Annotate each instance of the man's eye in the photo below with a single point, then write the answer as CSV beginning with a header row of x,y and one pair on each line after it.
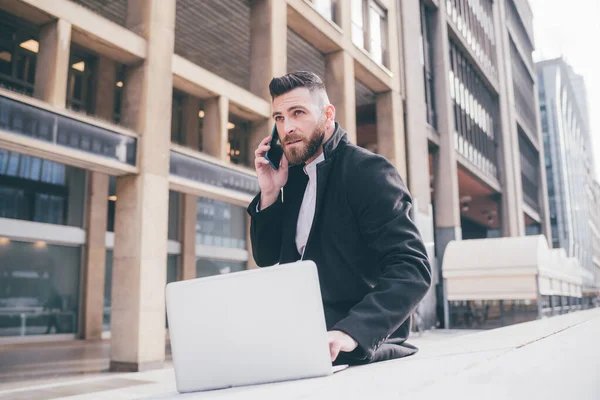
x,y
278,118
298,112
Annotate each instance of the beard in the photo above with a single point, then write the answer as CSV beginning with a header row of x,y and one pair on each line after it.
x,y
298,155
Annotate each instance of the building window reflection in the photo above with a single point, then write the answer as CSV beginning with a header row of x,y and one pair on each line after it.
x,y
38,190
80,82
220,224
18,53
209,267
369,29
39,288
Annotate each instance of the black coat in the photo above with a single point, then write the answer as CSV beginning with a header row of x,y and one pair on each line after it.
x,y
372,264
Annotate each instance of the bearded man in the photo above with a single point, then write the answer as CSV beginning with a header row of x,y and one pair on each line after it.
x,y
347,210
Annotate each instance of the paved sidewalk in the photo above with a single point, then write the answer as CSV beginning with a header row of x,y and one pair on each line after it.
x,y
555,358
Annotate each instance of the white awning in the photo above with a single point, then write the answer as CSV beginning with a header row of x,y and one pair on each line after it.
x,y
508,269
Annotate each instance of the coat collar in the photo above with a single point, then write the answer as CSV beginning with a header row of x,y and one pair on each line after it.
x,y
339,136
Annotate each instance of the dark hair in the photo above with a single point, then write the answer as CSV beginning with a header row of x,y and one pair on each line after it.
x,y
293,80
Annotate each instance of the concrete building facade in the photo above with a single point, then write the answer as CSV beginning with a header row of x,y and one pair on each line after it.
x,y
570,165
127,132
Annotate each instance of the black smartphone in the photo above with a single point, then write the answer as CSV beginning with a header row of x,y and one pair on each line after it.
x,y
276,151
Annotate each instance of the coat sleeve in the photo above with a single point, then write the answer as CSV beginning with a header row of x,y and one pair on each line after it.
x,y
265,231
381,203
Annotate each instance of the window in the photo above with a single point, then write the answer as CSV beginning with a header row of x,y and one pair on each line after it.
x,y
33,189
80,81
376,23
177,118
220,224
18,52
369,29
39,288
358,26
427,65
325,8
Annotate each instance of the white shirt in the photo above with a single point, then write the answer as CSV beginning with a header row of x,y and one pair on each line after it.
x,y
308,206
309,202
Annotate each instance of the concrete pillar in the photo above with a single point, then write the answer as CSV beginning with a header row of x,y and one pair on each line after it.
x,y
140,254
513,222
215,135
95,260
416,108
52,66
390,129
97,210
188,237
191,121
268,44
446,193
340,85
417,145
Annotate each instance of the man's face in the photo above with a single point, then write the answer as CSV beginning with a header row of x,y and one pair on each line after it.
x,y
300,123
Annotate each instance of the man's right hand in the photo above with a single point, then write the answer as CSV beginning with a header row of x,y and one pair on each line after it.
x,y
270,181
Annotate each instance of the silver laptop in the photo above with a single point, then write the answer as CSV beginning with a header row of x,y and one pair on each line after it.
x,y
250,327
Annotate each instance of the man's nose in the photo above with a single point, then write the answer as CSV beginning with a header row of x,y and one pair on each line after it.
x,y
289,126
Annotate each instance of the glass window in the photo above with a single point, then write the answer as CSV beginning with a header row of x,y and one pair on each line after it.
x,y
238,134
177,118
80,81
208,267
358,34
34,189
375,32
220,224
18,53
325,8
39,288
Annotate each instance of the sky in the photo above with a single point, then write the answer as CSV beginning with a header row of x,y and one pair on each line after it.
x,y
571,29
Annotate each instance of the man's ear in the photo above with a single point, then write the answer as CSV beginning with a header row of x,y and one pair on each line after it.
x,y
330,113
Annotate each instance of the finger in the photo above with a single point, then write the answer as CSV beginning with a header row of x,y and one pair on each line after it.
x,y
261,150
265,141
284,162
259,161
334,351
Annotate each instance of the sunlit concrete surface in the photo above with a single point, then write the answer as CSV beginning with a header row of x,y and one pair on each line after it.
x,y
554,358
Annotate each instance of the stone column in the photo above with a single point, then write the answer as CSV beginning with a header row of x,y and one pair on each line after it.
x,y
390,129
340,84
513,223
417,143
95,257
446,193
215,135
268,32
191,122
97,210
416,108
140,254
52,66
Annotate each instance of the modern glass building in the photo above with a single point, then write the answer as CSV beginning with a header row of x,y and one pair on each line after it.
x,y
569,164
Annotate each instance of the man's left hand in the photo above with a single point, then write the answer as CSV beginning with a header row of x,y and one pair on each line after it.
x,y
340,341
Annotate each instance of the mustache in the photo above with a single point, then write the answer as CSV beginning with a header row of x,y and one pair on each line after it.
x,y
293,138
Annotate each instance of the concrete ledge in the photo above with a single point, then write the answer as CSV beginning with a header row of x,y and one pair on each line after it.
x,y
555,358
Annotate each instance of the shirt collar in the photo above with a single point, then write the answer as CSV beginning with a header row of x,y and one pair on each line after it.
x,y
311,169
